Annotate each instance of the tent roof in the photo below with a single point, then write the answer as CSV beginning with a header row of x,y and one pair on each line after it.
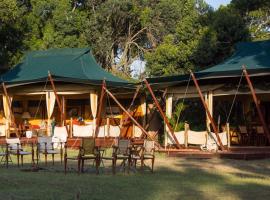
x,y
254,55
68,65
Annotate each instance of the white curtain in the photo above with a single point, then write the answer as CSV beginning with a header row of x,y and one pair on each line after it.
x,y
93,104
50,102
7,111
169,101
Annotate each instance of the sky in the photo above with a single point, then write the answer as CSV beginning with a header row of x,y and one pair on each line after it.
x,y
216,3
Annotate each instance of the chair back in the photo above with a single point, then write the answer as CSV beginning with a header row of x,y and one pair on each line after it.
x,y
259,130
44,143
243,129
123,146
12,143
137,132
149,146
88,146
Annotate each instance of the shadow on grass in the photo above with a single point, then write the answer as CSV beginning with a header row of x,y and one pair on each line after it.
x,y
184,180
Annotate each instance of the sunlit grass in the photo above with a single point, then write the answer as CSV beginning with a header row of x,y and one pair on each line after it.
x,y
174,178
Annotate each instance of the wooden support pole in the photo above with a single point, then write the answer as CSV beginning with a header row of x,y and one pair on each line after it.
x,y
257,104
207,111
63,118
98,121
10,108
162,113
228,134
129,115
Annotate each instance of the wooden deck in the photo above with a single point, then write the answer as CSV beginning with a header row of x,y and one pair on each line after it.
x,y
237,152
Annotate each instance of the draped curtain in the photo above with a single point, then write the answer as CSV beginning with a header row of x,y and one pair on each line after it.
x,y
94,105
144,109
50,102
7,111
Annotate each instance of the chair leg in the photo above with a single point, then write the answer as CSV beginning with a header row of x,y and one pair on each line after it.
x,y
65,163
46,158
153,161
80,166
142,163
53,158
113,165
22,160
61,155
97,165
18,160
129,162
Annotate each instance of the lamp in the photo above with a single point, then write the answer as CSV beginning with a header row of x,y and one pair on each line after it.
x,y
26,115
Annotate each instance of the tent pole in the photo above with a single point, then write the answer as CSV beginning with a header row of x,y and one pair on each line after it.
x,y
63,118
10,110
207,110
162,113
98,119
129,115
256,101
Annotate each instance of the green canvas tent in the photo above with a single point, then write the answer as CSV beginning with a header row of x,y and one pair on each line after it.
x,y
254,55
76,65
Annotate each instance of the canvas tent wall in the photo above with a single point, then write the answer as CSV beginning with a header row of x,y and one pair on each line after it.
x,y
222,79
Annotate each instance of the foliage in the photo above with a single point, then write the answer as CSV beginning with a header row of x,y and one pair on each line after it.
x,y
177,115
172,36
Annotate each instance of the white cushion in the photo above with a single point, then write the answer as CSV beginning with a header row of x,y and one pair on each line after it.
x,y
83,131
114,131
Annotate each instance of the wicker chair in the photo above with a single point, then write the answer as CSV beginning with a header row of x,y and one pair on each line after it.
x,y
121,151
87,151
147,153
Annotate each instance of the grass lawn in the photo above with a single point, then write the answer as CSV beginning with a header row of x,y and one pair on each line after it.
x,y
174,178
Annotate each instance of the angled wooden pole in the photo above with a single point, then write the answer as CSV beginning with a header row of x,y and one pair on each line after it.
x,y
207,110
10,108
100,105
129,115
257,104
60,107
162,113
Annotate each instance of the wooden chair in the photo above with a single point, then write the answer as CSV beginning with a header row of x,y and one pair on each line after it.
x,y
260,136
15,148
87,151
245,136
46,146
147,153
4,155
121,151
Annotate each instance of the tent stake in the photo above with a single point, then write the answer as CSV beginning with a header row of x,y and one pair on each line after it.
x,y
100,108
162,113
256,101
129,115
10,110
207,110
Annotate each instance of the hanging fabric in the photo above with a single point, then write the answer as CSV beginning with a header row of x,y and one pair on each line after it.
x,y
7,113
94,106
143,108
50,102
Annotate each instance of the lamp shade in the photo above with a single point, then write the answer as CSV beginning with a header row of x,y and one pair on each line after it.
x,y
26,115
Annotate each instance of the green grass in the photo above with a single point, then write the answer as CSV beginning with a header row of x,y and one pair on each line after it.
x,y
174,178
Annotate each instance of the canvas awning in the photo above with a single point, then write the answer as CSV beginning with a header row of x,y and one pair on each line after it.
x,y
254,55
76,65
